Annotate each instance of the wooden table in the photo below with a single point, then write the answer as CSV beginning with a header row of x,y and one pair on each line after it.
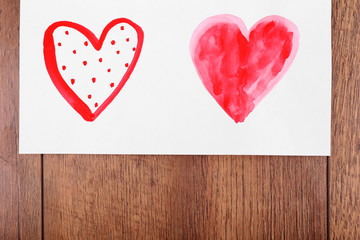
x,y
185,197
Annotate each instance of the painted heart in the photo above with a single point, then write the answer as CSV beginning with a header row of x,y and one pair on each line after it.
x,y
239,67
87,71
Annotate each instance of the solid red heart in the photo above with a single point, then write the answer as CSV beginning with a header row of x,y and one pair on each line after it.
x,y
87,71
239,67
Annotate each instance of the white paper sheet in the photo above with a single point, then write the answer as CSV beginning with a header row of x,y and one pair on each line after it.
x,y
164,107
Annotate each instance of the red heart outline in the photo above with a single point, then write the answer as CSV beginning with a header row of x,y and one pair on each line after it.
x,y
51,64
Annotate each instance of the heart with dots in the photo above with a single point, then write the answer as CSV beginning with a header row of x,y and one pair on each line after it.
x,y
89,72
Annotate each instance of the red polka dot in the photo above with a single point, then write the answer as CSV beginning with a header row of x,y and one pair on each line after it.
x,y
85,63
134,49
89,96
59,44
93,80
109,70
127,39
86,43
96,105
113,42
118,52
72,81
63,67
67,32
122,27
100,59
112,85
126,65
74,52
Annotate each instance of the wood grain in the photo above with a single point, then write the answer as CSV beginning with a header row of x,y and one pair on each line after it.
x,y
20,177
344,165
184,197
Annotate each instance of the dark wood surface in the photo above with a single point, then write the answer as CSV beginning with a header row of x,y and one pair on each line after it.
x,y
190,197
344,164
185,197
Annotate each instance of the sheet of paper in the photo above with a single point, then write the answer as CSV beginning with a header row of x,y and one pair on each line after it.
x,y
175,77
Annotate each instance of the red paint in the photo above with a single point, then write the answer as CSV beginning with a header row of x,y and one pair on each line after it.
x,y
239,67
85,63
64,68
118,52
72,81
127,39
113,42
93,80
86,43
96,105
134,49
89,96
126,65
100,59
122,28
59,44
74,52
112,85
56,77
109,70
67,32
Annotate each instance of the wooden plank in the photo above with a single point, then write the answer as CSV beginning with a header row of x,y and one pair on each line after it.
x,y
184,197
20,177
344,165
8,201
30,208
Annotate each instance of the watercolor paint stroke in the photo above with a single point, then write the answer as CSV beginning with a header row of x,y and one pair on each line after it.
x,y
90,72
239,67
